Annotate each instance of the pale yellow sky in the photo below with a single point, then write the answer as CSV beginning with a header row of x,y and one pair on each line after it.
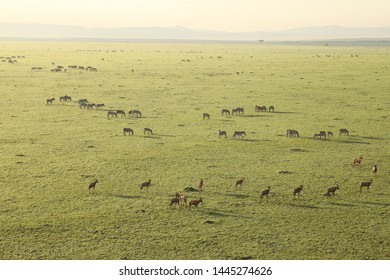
x,y
221,15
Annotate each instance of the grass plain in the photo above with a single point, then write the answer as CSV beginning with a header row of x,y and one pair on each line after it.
x,y
50,153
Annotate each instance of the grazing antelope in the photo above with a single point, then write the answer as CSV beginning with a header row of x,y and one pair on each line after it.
x,y
92,185
206,116
50,101
121,112
332,191
128,131
111,114
145,185
241,134
200,184
240,182
358,161
374,169
182,197
148,130
343,131
222,133
366,185
265,193
175,200
225,112
135,113
298,191
195,202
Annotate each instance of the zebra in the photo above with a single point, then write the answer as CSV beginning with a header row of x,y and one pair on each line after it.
x,y
239,133
292,133
112,114
330,134
121,112
91,105
343,131
271,109
84,100
222,133
206,116
148,130
83,105
65,98
225,112
99,106
50,101
128,131
135,112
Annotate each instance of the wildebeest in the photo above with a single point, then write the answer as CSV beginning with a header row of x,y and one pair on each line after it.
x,y
225,112
343,131
298,191
111,114
92,185
50,101
332,191
128,131
222,133
240,182
358,160
121,112
365,185
148,130
206,116
65,98
292,133
265,193
145,185
271,109
135,113
195,202
240,134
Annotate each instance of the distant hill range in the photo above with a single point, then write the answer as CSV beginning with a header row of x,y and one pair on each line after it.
x,y
49,31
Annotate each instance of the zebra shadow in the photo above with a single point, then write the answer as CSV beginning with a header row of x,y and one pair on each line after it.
x,y
126,196
304,206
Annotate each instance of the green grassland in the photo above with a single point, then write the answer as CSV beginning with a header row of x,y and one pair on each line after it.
x,y
50,153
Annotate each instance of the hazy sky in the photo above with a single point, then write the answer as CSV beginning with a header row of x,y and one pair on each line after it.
x,y
221,15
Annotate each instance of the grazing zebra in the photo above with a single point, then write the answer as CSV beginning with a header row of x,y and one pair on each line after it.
x,y
91,105
241,134
111,114
84,100
135,113
206,116
128,131
222,133
292,133
330,134
121,112
257,108
343,131
225,112
271,109
234,111
99,106
83,105
240,110
148,130
50,101
65,98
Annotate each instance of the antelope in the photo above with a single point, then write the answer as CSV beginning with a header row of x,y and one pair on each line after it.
x,y
365,184
182,197
332,190
145,185
92,185
175,200
50,101
83,105
265,193
200,184
65,98
358,161
222,133
128,131
374,169
195,202
99,106
206,116
298,191
330,134
240,182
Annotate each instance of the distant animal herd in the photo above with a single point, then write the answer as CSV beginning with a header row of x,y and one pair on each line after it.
x,y
180,199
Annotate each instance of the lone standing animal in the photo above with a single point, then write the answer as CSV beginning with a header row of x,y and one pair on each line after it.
x,y
265,193
200,185
240,182
298,191
365,185
145,185
332,191
374,169
358,160
92,185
